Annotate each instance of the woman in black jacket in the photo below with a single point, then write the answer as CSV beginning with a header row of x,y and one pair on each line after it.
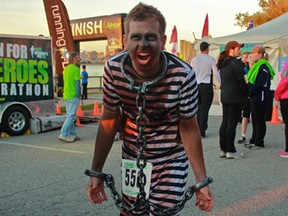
x,y
234,91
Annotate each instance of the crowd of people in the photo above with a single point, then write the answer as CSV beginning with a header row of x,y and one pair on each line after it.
x,y
160,105
245,83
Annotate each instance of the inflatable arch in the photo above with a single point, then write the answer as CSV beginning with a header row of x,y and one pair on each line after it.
x,y
99,28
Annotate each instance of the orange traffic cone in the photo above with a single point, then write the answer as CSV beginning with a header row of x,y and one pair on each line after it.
x,y
275,119
96,108
102,109
58,110
78,123
79,111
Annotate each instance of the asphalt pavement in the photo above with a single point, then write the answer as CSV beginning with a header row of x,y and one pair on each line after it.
x,y
43,176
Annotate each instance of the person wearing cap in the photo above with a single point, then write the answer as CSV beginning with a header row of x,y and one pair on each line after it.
x,y
234,92
259,81
281,94
205,67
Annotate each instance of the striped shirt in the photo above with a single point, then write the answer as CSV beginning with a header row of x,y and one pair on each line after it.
x,y
173,96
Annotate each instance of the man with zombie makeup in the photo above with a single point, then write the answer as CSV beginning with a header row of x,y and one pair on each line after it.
x,y
157,95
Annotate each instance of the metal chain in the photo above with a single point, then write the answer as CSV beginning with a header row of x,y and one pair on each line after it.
x,y
141,162
110,183
141,143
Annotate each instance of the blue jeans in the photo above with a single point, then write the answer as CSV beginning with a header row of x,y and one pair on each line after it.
x,y
69,128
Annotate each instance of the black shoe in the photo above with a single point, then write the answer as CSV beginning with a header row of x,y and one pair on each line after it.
x,y
242,140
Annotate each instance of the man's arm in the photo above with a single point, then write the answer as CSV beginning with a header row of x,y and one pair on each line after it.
x,y
215,71
191,138
105,137
78,89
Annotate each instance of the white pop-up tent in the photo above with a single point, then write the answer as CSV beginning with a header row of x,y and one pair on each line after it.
x,y
273,35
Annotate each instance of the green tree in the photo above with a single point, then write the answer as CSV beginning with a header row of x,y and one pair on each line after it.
x,y
270,9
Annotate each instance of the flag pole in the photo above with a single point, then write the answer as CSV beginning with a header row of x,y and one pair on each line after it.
x,y
194,35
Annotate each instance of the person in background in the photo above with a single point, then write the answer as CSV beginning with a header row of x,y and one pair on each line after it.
x,y
233,94
246,106
71,96
157,95
243,59
281,94
259,81
205,67
84,77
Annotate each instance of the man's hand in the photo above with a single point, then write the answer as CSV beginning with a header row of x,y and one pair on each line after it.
x,y
204,199
95,191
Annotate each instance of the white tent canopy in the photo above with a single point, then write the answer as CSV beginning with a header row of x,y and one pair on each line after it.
x,y
273,35
266,33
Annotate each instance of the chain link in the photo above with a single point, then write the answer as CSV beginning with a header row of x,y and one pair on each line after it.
x,y
141,143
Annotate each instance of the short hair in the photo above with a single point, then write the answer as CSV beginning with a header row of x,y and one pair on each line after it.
x,y
204,46
261,50
143,12
72,56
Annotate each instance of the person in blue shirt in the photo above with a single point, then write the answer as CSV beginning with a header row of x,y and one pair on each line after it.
x,y
84,77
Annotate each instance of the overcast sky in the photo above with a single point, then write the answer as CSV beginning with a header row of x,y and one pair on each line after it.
x,y
28,16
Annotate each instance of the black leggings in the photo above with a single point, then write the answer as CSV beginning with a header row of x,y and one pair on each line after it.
x,y
284,113
230,119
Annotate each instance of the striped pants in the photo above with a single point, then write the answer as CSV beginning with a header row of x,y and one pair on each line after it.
x,y
167,186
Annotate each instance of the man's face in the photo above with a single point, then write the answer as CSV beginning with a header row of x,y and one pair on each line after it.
x,y
77,60
144,44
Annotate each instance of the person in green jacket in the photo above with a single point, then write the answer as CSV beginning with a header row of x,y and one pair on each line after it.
x,y
71,96
259,82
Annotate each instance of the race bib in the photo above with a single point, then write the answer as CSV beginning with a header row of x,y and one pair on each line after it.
x,y
129,178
